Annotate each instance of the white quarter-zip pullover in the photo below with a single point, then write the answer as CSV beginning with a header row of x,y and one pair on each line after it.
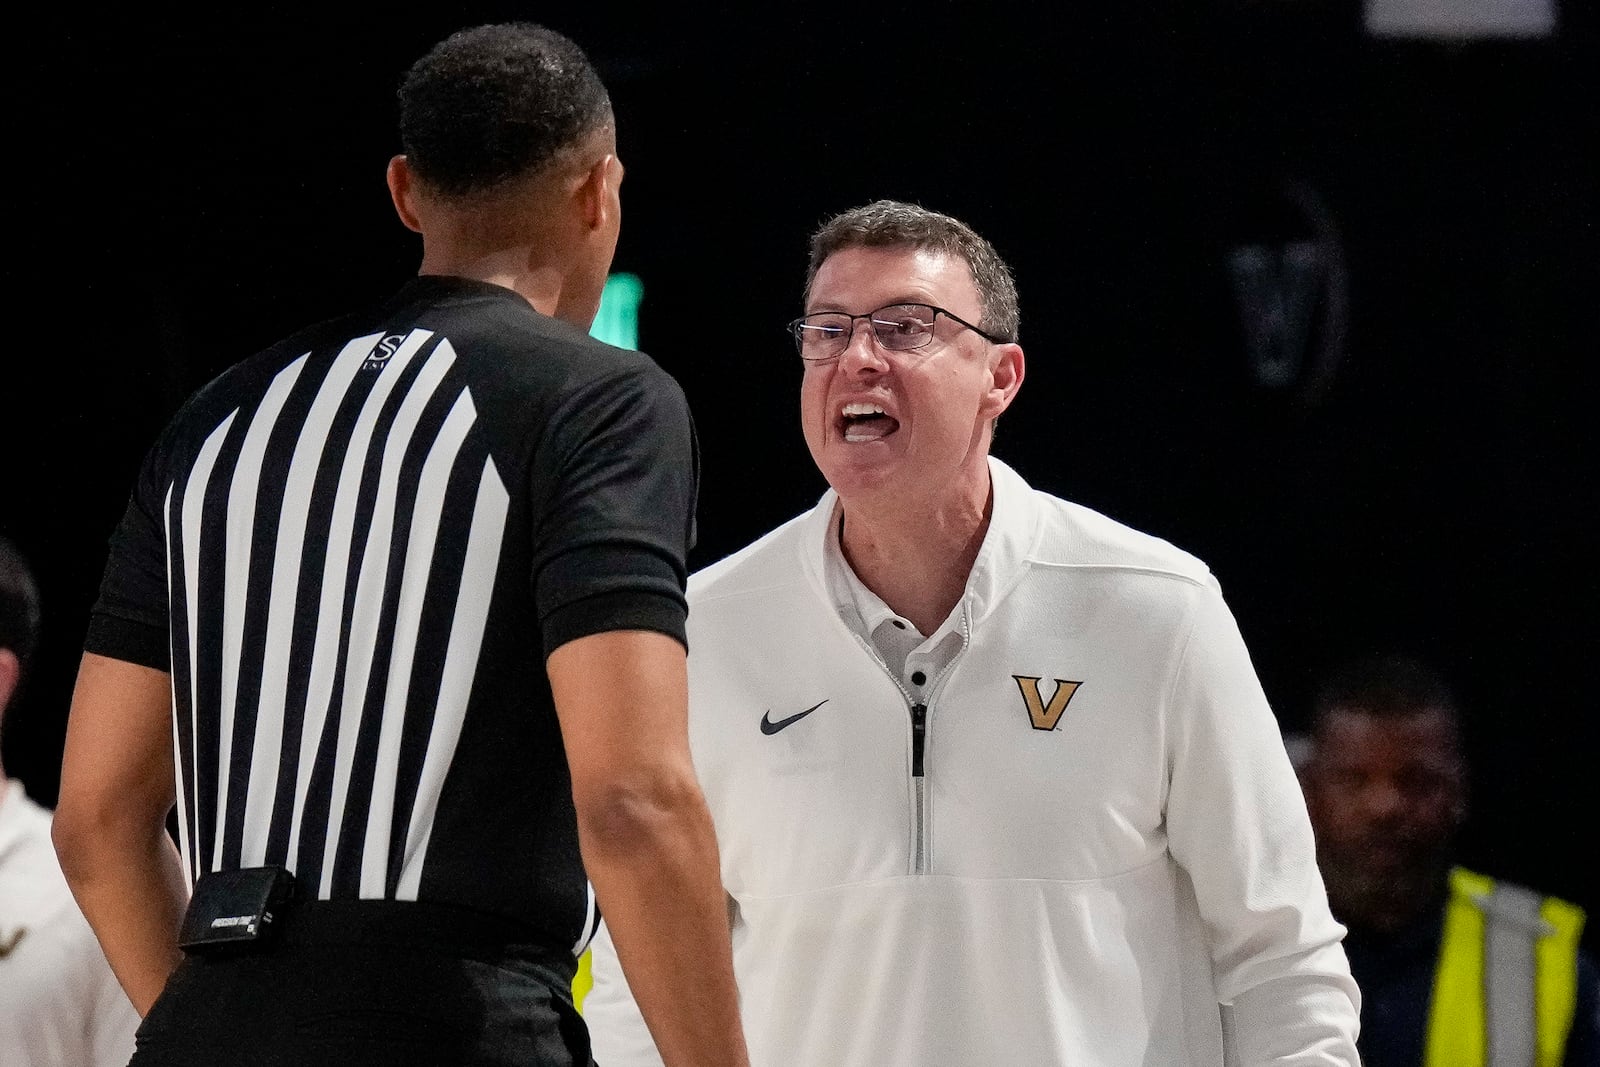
x,y
1083,844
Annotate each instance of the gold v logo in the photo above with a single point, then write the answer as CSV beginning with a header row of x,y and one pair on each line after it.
x,y
1045,716
7,944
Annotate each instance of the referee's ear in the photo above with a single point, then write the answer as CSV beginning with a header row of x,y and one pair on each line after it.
x,y
402,190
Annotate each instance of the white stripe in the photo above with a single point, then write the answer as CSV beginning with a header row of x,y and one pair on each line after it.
x,y
587,933
301,479
366,613
241,533
431,488
1511,935
177,747
460,664
325,654
194,499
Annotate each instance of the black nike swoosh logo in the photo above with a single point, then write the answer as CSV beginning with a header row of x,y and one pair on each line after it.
x,y
769,727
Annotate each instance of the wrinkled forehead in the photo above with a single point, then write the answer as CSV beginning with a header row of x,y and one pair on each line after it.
x,y
864,277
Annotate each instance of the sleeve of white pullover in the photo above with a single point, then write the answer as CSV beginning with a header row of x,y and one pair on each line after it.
x,y
1236,821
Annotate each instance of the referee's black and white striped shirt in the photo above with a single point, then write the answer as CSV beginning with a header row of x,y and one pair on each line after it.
x,y
353,553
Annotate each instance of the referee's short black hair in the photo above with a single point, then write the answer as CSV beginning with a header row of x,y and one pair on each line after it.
x,y
497,102
19,604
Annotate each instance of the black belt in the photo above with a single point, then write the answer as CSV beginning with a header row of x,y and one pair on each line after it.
x,y
254,909
451,929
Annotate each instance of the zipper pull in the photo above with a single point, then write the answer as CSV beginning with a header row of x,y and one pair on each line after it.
x,y
919,733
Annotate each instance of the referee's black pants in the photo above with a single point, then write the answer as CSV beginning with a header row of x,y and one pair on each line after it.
x,y
369,984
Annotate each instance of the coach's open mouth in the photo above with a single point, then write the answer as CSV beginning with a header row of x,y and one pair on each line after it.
x,y
866,422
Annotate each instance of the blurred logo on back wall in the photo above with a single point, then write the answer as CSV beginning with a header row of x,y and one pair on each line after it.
x,y
1291,287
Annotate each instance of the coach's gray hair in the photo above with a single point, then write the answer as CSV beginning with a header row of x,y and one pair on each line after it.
x,y
894,224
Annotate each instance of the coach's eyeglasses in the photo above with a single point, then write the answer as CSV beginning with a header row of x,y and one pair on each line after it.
x,y
896,327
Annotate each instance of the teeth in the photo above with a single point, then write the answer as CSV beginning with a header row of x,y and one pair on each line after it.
x,y
857,408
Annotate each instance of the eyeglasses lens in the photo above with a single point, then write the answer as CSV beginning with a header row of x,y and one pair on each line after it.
x,y
898,327
903,326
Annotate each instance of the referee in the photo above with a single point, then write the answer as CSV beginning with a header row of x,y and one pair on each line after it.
x,y
392,632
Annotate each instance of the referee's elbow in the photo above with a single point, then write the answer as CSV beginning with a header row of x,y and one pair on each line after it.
x,y
86,835
631,812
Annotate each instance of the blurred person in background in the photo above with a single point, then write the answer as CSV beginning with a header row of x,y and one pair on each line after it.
x,y
60,1004
1456,967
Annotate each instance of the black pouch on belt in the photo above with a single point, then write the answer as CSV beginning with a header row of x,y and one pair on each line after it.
x,y
234,909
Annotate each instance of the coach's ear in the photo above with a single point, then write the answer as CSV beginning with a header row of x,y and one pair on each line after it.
x,y
10,675
403,191
1006,370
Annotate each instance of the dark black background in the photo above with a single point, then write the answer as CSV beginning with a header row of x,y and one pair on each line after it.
x,y
185,191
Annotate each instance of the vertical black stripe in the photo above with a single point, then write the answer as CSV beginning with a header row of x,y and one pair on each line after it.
x,y
212,560
427,670
304,633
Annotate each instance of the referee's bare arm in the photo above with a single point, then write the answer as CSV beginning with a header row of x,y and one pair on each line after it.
x,y
117,787
647,838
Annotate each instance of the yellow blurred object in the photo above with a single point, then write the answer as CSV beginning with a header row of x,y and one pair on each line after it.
x,y
583,981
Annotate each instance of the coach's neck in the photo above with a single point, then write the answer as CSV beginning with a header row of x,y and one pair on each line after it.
x,y
916,555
